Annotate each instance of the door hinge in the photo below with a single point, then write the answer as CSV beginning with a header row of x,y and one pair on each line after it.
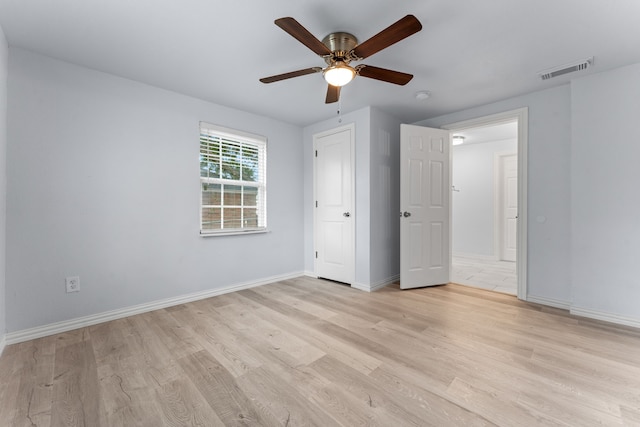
x,y
316,254
316,203
316,153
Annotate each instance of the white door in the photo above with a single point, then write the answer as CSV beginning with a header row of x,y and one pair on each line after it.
x,y
509,206
425,255
334,213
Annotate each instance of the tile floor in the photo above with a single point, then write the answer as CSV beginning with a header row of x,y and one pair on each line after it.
x,y
481,272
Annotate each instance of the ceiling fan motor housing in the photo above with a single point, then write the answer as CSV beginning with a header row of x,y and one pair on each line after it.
x,y
340,44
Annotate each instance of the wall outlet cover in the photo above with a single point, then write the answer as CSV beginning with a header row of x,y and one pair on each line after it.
x,y
73,284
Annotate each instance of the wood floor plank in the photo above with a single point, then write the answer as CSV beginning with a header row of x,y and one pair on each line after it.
x,y
222,392
373,395
312,352
359,360
433,408
11,364
75,386
183,405
35,393
481,400
220,340
630,416
287,404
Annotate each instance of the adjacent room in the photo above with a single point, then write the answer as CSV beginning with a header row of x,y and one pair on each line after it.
x,y
319,213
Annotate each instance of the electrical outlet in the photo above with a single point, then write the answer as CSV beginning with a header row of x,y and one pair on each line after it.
x,y
73,284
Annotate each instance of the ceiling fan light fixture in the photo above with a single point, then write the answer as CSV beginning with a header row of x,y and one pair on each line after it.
x,y
458,140
339,74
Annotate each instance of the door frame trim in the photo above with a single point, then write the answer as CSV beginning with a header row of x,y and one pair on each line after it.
x,y
521,115
351,127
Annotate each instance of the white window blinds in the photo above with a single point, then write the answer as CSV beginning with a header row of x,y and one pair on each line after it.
x,y
232,181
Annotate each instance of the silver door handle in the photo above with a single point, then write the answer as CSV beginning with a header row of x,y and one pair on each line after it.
x,y
406,214
346,214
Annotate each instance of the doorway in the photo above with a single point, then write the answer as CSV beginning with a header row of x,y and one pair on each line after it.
x,y
484,207
509,226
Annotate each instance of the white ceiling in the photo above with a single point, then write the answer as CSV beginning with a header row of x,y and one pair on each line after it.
x,y
468,53
491,133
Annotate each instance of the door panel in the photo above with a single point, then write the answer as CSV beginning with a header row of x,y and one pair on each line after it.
x,y
334,237
425,255
436,243
509,174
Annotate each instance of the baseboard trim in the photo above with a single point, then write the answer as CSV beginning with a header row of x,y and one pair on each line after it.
x,y
607,317
384,283
548,301
361,287
476,256
3,343
94,319
376,286
310,274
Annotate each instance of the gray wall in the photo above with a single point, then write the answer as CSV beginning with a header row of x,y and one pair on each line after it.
x,y
605,203
4,58
549,191
472,206
103,183
385,198
377,230
361,120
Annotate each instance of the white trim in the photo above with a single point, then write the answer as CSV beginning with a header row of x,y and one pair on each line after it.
x,y
376,286
230,133
3,343
361,287
232,233
472,255
94,319
351,127
521,115
310,274
386,282
551,302
607,317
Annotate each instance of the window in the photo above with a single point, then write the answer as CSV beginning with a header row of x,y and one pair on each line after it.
x,y
232,181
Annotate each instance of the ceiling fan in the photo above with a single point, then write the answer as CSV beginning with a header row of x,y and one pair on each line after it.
x,y
340,48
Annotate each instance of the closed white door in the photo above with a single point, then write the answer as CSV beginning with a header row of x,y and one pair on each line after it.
x,y
425,255
334,213
509,206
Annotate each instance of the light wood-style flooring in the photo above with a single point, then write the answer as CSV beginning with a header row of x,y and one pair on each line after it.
x,y
308,352
485,273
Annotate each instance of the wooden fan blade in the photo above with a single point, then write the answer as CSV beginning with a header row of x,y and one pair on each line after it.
x,y
292,74
333,94
394,33
385,75
297,31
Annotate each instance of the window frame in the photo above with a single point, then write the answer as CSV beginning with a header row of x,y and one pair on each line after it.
x,y
227,140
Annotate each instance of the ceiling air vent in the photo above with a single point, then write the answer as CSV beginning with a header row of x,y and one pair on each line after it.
x,y
565,69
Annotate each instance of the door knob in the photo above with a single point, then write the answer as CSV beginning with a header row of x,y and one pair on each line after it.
x,y
406,214
346,214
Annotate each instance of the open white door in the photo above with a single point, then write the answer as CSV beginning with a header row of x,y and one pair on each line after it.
x,y
334,213
425,255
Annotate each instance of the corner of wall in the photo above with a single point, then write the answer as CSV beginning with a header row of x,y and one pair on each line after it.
x,y
4,67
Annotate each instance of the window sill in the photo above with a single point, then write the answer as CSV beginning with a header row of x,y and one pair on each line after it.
x,y
233,233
